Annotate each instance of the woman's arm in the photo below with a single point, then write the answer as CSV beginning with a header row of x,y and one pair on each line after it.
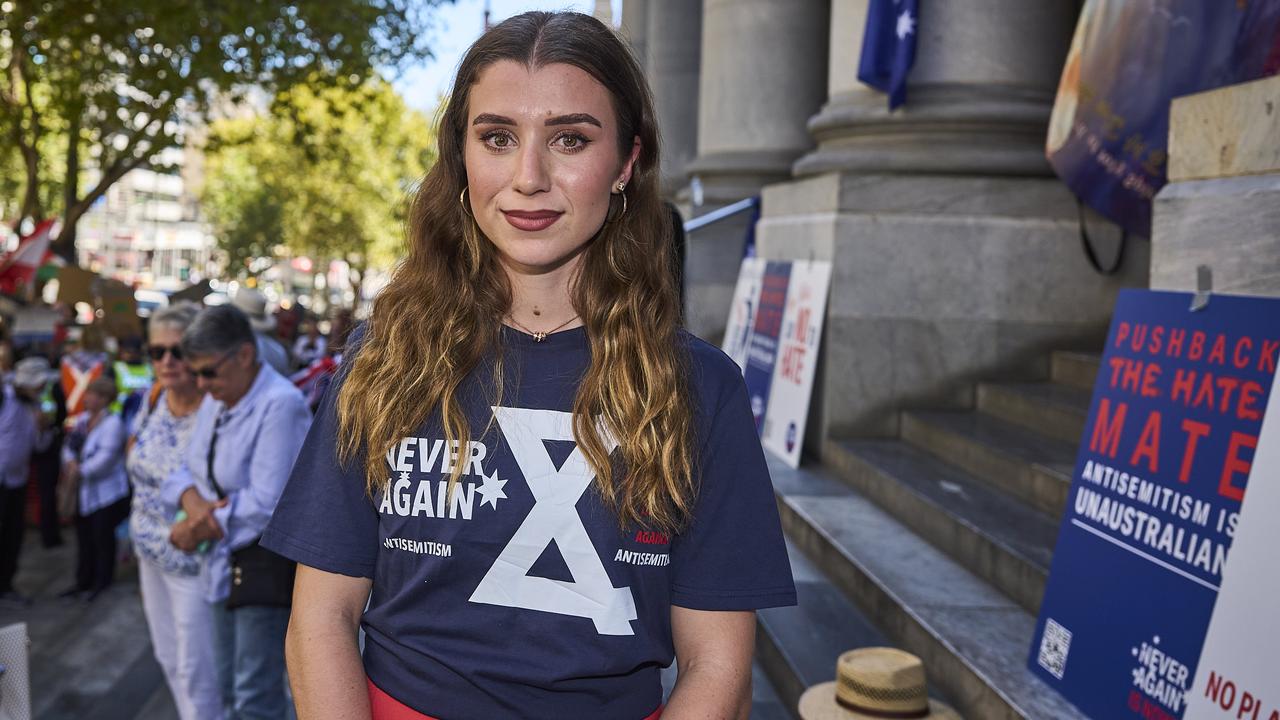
x,y
713,650
280,436
105,452
322,649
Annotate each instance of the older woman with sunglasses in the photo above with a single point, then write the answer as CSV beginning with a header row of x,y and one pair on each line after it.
x,y
180,621
228,483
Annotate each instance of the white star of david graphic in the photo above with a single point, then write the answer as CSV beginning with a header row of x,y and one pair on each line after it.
x,y
554,517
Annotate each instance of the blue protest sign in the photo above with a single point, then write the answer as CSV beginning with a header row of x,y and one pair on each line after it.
x,y
762,349
1155,498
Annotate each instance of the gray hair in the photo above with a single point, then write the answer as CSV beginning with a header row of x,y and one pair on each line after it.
x,y
217,330
175,317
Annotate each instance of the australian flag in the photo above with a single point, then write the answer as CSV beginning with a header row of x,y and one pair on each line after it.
x,y
889,47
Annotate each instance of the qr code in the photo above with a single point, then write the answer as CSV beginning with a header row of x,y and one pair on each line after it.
x,y
1054,646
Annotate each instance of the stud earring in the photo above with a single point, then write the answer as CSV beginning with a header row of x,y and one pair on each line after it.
x,y
621,186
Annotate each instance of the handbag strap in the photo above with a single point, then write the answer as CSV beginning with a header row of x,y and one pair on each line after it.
x,y
213,445
153,399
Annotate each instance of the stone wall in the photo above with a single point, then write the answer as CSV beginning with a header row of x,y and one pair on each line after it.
x,y
1222,205
938,281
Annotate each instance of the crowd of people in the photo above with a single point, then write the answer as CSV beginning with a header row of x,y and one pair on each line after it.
x,y
182,442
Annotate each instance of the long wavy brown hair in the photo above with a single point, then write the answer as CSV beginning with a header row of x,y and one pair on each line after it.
x,y
440,316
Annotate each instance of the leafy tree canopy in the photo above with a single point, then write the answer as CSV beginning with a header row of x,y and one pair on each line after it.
x,y
326,174
117,81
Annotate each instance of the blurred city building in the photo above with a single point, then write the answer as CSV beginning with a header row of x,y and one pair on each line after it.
x,y
147,230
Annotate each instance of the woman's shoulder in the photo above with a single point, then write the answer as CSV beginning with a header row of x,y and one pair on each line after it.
x,y
278,388
109,430
713,375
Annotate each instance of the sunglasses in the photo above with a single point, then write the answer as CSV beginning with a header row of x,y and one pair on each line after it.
x,y
157,352
211,372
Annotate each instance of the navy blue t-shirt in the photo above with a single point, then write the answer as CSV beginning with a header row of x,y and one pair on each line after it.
x,y
521,596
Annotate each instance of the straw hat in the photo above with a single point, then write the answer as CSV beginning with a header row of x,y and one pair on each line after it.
x,y
873,683
254,304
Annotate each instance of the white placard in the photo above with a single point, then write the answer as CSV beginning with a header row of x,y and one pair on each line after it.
x,y
746,300
1238,675
797,359
15,686
773,334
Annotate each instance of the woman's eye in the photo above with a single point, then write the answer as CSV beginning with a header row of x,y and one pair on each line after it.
x,y
571,142
497,140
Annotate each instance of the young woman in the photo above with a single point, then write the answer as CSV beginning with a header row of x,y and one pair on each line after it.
x,y
540,486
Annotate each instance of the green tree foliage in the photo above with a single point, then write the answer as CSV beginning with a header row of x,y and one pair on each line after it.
x,y
115,82
326,174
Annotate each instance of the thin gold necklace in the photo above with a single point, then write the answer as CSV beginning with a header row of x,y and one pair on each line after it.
x,y
540,336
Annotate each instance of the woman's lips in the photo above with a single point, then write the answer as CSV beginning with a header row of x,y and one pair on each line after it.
x,y
531,221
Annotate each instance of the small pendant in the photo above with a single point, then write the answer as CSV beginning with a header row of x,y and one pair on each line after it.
x,y
539,336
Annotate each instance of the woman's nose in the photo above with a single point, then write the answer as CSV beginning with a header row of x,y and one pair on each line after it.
x,y
531,173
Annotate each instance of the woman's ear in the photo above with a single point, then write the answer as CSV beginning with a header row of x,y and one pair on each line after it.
x,y
629,166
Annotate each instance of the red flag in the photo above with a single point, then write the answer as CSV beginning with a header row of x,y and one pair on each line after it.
x,y
18,268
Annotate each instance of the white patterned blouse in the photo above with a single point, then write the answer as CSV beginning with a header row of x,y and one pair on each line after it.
x,y
161,439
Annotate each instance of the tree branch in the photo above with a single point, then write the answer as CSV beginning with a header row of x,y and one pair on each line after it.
x,y
138,134
130,159
31,205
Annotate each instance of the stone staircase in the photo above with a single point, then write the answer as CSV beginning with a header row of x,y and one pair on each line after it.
x,y
938,542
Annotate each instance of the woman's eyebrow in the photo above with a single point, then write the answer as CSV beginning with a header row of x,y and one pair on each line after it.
x,y
570,119
491,119
573,119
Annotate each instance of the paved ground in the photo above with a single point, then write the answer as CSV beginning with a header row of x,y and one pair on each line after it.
x,y
89,661
93,661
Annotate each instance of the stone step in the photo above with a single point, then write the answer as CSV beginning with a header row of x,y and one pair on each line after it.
x,y
1077,369
997,537
1032,467
797,647
765,703
974,640
1056,410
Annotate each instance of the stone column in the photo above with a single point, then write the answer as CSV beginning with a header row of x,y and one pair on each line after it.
x,y
956,255
673,47
1221,207
635,27
603,12
978,97
764,66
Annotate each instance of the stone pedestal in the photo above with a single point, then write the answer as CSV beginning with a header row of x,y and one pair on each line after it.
x,y
1221,207
956,255
936,282
763,74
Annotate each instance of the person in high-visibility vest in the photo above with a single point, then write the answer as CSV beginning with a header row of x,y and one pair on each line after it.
x,y
133,378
